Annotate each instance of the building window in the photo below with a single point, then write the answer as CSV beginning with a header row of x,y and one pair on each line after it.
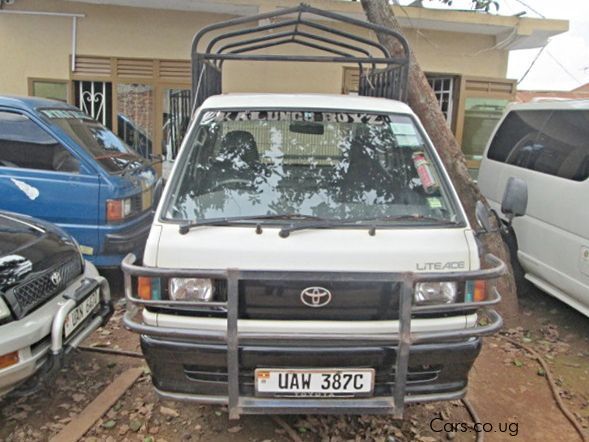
x,y
351,81
443,88
135,122
53,89
480,106
95,98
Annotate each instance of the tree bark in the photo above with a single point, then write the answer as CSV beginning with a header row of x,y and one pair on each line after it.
x,y
425,105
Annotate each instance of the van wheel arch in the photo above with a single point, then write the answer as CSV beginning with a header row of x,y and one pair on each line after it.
x,y
509,237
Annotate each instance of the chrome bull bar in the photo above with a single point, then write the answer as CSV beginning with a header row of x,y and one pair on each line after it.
x,y
58,324
232,337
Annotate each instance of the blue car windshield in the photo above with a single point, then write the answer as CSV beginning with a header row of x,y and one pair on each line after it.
x,y
107,149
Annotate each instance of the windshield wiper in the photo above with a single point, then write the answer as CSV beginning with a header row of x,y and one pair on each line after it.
x,y
416,217
327,223
126,168
139,164
322,223
225,221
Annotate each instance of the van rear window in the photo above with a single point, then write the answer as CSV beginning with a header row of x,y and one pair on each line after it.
x,y
554,142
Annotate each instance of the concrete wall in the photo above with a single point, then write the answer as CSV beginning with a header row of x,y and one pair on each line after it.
x,y
36,46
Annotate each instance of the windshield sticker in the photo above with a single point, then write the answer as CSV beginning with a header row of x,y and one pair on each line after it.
x,y
409,140
403,129
297,116
434,203
61,113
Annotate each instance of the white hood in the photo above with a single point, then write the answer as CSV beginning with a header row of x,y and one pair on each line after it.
x,y
390,250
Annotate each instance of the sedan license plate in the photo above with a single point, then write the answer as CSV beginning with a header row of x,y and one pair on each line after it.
x,y
81,312
323,382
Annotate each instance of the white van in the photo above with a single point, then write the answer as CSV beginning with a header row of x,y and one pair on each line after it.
x,y
310,254
546,144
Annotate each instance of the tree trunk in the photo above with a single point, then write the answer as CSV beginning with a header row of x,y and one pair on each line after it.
x,y
424,103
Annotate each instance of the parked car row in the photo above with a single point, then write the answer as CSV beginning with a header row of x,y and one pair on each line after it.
x,y
58,164
84,200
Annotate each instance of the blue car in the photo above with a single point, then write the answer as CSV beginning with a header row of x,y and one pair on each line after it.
x,y
59,164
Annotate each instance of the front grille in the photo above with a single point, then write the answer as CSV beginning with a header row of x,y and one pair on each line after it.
x,y
415,375
137,203
352,301
36,291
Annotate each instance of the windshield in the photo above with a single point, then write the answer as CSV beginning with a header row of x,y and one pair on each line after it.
x,y
335,166
106,148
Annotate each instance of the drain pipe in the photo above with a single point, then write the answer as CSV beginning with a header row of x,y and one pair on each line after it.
x,y
74,18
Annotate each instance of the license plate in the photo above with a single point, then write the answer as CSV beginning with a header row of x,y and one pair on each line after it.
x,y
81,312
323,382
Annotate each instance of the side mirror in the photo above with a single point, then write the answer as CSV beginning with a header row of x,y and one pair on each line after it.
x,y
515,198
482,215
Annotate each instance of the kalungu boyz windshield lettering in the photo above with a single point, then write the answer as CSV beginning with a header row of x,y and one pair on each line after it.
x,y
298,116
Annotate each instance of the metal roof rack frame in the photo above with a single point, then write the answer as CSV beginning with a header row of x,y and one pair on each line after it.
x,y
240,38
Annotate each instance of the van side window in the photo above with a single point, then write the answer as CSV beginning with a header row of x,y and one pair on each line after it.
x,y
565,142
514,142
554,142
23,144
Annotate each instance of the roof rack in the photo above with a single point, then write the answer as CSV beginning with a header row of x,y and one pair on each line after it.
x,y
383,75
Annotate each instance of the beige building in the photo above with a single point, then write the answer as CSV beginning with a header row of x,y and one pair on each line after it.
x,y
126,62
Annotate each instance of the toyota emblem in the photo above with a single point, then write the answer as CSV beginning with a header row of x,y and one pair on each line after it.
x,y
55,278
315,297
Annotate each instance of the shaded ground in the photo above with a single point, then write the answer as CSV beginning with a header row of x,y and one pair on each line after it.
x,y
507,388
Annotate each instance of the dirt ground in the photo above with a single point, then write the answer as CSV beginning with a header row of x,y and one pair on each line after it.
x,y
508,390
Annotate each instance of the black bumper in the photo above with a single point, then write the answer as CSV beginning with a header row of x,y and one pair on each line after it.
x,y
200,369
130,239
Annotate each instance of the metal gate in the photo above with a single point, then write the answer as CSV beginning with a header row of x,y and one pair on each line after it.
x,y
179,118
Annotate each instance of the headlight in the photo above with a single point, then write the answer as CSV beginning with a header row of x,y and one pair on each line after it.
x,y
191,289
4,310
435,292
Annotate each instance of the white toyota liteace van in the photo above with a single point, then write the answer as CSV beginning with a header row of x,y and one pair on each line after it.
x,y
546,144
310,254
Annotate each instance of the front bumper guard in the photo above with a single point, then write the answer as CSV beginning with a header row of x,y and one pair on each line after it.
x,y
58,348
232,337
